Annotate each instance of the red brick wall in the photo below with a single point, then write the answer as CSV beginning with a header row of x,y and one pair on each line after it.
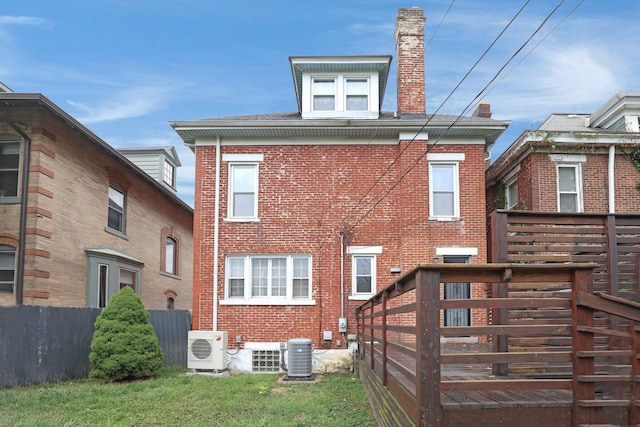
x,y
307,195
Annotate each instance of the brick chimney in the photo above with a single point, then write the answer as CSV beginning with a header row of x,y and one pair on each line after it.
x,y
409,35
482,110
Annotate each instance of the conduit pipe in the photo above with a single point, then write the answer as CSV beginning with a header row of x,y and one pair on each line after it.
x,y
612,179
216,237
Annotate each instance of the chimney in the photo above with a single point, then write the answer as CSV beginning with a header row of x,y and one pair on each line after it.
x,y
483,110
409,35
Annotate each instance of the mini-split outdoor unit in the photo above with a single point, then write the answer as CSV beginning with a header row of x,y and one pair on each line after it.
x,y
299,357
207,350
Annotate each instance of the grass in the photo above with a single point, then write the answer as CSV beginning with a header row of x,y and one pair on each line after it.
x,y
174,398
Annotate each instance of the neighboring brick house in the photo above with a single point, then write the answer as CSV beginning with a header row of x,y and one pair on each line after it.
x,y
78,220
573,163
301,217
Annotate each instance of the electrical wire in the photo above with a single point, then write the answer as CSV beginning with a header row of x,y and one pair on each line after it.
x,y
417,160
397,158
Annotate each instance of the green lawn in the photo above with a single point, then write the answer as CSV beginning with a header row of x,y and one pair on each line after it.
x,y
177,399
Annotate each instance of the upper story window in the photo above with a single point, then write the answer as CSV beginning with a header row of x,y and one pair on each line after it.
x,y
341,95
511,193
9,168
276,279
170,255
243,191
444,185
168,175
117,209
569,188
7,268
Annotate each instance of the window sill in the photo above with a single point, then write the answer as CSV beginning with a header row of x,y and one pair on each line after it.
x,y
9,200
116,233
173,276
445,218
266,301
360,297
242,219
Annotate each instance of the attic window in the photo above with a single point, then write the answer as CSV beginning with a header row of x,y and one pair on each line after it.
x,y
341,95
168,176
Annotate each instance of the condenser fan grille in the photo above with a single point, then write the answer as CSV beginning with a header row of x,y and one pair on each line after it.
x,y
201,349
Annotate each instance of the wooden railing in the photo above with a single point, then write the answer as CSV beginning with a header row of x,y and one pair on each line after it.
x,y
407,366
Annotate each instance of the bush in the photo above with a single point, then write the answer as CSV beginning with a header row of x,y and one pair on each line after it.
x,y
124,345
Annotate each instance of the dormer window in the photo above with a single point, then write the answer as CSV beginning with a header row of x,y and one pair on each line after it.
x,y
168,176
340,87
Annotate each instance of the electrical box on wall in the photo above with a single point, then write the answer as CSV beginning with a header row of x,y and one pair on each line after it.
x,y
342,324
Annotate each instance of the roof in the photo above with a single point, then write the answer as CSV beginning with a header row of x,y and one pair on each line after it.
x,y
30,100
168,150
388,125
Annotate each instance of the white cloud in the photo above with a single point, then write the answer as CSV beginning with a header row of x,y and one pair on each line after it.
x,y
23,20
128,103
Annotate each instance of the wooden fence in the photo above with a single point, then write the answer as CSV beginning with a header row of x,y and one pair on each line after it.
x,y
45,344
413,378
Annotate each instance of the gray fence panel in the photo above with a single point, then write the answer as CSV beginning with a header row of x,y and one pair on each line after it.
x,y
47,344
172,328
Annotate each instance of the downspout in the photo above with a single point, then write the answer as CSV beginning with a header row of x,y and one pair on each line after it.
x,y
26,160
612,195
216,233
342,274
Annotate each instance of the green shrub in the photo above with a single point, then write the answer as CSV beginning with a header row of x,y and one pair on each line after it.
x,y
124,345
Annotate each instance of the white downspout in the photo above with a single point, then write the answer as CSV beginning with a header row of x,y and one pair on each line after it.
x,y
612,195
216,233
341,274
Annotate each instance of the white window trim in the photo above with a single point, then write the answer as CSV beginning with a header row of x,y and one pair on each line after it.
x,y
511,203
340,95
462,251
247,299
456,190
230,217
578,172
363,251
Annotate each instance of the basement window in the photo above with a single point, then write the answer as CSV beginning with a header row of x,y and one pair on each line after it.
x,y
265,361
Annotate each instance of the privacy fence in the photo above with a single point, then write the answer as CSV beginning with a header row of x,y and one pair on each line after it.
x,y
46,344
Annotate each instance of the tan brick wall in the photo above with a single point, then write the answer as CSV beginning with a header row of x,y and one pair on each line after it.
x,y
68,200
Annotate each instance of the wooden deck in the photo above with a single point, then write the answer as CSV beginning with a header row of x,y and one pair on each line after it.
x,y
569,357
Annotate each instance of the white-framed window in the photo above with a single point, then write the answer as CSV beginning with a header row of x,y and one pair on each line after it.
x,y
9,168
168,175
268,279
444,190
363,270
243,191
341,95
7,268
570,188
511,194
170,255
117,208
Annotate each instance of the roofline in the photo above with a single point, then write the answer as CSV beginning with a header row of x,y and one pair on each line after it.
x,y
47,103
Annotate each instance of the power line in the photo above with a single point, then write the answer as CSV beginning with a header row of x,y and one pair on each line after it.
x,y
417,160
397,158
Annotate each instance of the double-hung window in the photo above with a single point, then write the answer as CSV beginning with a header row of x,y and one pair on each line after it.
x,y
569,188
168,175
268,279
117,206
9,168
357,94
170,256
243,193
363,270
511,193
7,268
444,189
324,94
342,95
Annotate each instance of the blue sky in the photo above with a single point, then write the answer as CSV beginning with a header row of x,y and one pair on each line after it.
x,y
125,68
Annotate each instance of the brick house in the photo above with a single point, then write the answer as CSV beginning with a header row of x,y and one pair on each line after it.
x,y
300,217
573,163
79,220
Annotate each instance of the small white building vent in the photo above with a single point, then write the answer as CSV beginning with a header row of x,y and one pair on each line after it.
x,y
207,350
299,358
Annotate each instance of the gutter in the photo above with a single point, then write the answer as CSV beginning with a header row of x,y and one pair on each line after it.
x,y
26,160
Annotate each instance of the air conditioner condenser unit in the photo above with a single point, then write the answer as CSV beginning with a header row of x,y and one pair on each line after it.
x,y
207,350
